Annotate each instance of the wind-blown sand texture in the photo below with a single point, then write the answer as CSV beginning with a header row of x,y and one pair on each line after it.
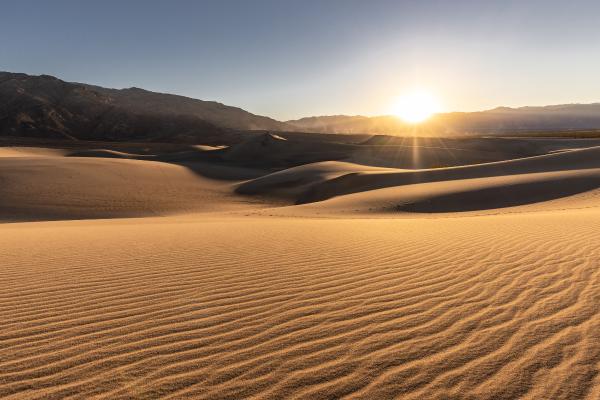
x,y
475,282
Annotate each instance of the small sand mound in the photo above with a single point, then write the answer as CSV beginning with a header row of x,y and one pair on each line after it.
x,y
292,182
382,140
255,147
276,152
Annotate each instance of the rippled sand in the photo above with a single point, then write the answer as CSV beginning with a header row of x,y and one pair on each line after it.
x,y
343,298
480,307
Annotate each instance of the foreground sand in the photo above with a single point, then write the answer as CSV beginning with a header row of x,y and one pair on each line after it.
x,y
480,282
479,307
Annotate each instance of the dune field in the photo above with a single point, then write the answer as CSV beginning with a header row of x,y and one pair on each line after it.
x,y
272,270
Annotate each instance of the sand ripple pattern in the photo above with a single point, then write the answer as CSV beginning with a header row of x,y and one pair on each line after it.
x,y
496,307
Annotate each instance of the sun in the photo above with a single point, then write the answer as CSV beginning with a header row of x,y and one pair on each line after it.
x,y
415,107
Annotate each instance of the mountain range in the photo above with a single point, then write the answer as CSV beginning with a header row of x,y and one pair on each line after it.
x,y
47,107
499,120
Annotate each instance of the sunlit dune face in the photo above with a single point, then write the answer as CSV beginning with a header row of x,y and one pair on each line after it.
x,y
416,107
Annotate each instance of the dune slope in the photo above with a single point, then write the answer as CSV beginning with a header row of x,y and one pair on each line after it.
x,y
542,191
49,188
588,158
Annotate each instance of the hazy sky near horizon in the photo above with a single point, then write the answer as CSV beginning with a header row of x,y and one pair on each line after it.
x,y
294,58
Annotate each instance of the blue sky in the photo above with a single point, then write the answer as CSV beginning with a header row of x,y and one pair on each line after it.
x,y
289,59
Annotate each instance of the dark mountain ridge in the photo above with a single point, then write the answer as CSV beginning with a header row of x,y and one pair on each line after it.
x,y
47,107
229,117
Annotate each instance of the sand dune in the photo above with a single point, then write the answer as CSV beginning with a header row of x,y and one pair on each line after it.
x,y
388,152
483,285
293,182
419,156
496,307
513,193
47,188
363,181
276,151
468,188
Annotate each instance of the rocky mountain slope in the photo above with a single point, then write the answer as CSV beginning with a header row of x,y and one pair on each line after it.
x,y
47,107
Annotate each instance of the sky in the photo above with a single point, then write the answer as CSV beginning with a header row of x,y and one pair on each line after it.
x,y
294,58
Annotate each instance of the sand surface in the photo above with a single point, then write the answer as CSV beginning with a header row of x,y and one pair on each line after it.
x,y
474,282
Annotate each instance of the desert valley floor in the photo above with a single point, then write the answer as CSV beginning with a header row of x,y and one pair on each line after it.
x,y
199,274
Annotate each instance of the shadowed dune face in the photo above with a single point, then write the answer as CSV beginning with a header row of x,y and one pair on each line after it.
x,y
541,191
532,189
360,181
293,182
357,189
